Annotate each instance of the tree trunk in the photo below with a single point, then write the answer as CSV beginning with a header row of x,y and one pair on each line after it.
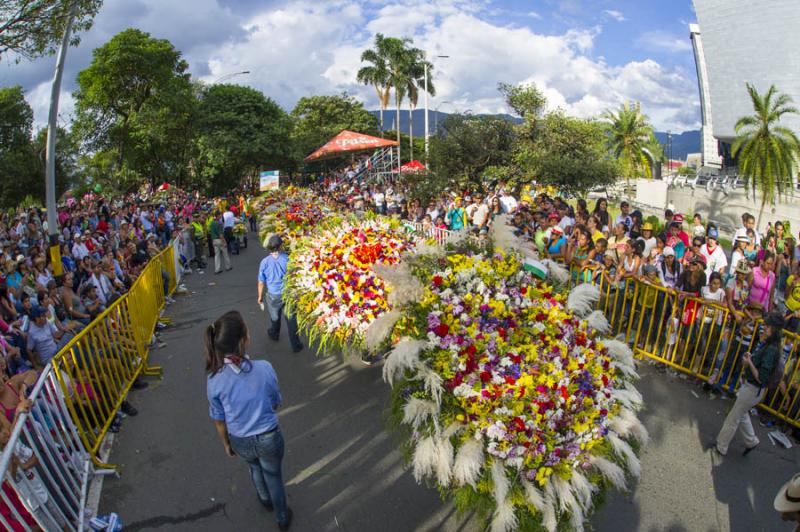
x,y
761,211
397,126
381,119
411,130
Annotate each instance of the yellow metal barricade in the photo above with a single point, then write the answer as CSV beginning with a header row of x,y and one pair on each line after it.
x,y
700,338
97,368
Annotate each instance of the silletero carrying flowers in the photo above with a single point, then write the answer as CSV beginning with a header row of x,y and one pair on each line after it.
x,y
331,286
510,400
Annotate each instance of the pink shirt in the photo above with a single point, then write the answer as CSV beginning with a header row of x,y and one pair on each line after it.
x,y
761,287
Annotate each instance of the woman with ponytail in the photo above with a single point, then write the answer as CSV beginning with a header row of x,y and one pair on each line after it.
x,y
243,396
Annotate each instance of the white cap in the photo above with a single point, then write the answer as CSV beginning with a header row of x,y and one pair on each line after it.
x,y
668,252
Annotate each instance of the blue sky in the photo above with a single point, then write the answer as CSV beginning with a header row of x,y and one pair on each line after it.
x,y
587,55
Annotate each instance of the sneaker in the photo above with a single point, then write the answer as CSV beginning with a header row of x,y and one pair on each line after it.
x,y
285,525
367,359
128,408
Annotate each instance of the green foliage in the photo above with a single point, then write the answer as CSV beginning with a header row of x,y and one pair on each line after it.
x,y
526,100
629,135
467,145
766,150
20,170
135,100
31,28
239,132
687,171
568,153
318,118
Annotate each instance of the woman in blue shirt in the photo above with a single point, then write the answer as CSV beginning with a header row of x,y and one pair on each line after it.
x,y
243,396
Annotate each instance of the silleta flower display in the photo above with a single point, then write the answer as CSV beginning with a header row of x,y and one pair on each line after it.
x,y
331,286
292,213
510,401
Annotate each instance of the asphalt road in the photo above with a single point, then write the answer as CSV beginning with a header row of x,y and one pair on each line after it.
x,y
341,467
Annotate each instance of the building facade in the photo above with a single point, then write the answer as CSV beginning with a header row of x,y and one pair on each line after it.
x,y
738,42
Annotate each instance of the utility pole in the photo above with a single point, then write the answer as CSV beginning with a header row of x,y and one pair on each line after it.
x,y
50,160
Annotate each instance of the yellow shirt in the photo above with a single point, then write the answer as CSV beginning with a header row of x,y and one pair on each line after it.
x,y
793,295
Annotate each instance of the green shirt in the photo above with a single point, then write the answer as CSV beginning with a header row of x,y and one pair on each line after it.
x,y
765,360
215,230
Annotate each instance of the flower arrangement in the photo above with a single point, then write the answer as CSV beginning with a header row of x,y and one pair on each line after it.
x,y
331,285
292,212
509,399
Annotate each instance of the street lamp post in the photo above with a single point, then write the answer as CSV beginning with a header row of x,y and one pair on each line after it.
x,y
50,153
427,132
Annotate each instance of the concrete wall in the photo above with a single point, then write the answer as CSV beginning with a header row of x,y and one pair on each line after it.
x,y
725,211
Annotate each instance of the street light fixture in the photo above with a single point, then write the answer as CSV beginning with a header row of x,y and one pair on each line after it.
x,y
427,132
229,76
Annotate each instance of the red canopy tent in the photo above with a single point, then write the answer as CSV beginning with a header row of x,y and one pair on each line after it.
x,y
347,142
412,167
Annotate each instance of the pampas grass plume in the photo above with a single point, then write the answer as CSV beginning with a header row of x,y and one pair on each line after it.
x,y
469,461
504,519
583,489
610,471
424,458
582,298
444,461
624,451
405,355
380,329
598,321
417,410
556,271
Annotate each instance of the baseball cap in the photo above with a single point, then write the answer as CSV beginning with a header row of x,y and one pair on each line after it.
x,y
557,230
647,226
677,218
552,216
37,312
713,233
669,251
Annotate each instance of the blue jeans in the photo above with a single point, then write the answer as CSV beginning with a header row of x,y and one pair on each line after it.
x,y
263,454
275,308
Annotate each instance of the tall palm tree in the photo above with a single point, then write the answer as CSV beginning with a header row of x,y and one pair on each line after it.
x,y
628,137
377,73
766,150
416,84
398,59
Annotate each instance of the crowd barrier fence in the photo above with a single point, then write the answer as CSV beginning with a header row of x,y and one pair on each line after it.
x,y
703,339
53,451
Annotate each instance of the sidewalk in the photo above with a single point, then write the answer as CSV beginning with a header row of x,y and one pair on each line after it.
x,y
342,469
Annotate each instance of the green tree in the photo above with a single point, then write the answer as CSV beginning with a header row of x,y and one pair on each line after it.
x,y
526,100
465,146
415,83
239,131
318,118
30,28
568,153
398,59
376,73
133,84
767,151
629,135
19,171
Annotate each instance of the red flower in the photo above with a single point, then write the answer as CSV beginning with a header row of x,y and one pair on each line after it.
x,y
501,331
442,329
486,376
519,424
605,380
523,290
510,380
564,393
437,280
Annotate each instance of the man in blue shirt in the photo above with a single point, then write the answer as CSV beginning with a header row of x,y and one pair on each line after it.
x,y
271,273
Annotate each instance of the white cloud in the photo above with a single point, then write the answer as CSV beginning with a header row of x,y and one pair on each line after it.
x,y
39,100
296,48
616,15
534,15
661,41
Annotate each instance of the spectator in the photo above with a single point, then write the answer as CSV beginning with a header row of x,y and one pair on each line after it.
x,y
456,217
624,217
716,260
762,284
698,229
44,339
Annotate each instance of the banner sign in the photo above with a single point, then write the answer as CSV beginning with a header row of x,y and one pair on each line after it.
x,y
269,180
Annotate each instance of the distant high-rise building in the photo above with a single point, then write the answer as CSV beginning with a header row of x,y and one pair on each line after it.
x,y
738,42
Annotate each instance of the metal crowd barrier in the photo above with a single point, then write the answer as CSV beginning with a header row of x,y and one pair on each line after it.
x,y
697,337
97,368
46,469
440,236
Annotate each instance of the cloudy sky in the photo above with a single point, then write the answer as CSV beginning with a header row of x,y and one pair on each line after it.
x,y
587,55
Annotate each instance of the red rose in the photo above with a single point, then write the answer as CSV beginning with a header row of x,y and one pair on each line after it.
x,y
442,329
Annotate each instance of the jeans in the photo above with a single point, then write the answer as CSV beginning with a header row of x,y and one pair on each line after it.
x,y
263,454
275,308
